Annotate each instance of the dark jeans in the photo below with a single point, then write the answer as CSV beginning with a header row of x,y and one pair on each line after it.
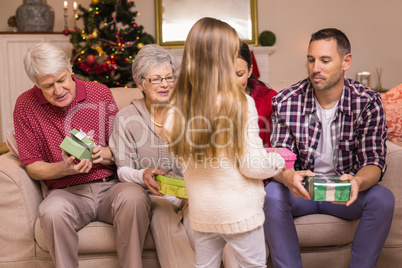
x,y
374,208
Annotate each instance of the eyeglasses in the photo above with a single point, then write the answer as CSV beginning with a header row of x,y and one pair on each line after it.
x,y
157,81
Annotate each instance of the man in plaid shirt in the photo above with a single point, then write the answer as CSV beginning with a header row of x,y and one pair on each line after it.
x,y
335,126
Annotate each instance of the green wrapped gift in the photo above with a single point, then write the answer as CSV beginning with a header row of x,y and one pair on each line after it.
x,y
328,188
79,145
171,185
83,139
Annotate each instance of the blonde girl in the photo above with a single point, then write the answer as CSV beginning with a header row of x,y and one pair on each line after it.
x,y
212,128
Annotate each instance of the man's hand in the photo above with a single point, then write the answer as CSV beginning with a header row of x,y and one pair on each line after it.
x,y
354,191
293,180
149,181
97,154
101,155
84,166
365,178
41,170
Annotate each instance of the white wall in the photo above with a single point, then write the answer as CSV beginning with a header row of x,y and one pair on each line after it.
x,y
373,27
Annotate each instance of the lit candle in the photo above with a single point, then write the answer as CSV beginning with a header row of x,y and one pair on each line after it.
x,y
75,6
66,32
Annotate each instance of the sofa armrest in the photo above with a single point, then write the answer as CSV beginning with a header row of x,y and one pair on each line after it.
x,y
20,197
392,180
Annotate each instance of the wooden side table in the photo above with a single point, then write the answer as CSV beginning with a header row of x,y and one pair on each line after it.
x,y
382,90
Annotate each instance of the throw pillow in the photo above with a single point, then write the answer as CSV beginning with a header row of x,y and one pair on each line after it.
x,y
392,101
12,143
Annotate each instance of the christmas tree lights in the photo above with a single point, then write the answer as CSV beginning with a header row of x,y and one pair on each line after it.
x,y
103,51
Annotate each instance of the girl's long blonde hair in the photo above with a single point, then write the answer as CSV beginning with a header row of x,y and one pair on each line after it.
x,y
210,106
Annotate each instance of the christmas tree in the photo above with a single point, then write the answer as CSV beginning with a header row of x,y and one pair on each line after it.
x,y
103,51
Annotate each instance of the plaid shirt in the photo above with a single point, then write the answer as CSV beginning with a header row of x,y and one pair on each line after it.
x,y
358,128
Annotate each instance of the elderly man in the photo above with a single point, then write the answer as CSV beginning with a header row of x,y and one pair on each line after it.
x,y
79,191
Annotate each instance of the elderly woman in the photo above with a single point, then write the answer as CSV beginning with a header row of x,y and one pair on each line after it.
x,y
139,147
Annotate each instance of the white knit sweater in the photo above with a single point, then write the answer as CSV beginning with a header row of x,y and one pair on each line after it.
x,y
226,197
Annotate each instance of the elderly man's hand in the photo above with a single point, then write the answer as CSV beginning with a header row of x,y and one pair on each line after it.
x,y
101,155
84,166
97,154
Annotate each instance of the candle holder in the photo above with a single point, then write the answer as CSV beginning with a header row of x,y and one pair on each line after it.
x,y
66,31
364,78
75,15
65,19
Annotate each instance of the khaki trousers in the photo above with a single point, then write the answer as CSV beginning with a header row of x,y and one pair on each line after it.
x,y
172,234
65,211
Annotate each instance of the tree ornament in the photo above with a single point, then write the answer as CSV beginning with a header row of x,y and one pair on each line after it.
x,y
95,34
100,50
91,60
95,2
66,32
140,45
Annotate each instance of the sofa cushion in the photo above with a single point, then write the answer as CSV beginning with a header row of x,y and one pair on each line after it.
x,y
319,230
12,143
96,237
392,180
392,101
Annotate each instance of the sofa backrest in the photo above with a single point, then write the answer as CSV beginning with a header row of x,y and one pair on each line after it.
x,y
124,96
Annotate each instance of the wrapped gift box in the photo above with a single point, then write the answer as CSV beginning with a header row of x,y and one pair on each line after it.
x,y
79,145
171,185
83,139
287,154
328,188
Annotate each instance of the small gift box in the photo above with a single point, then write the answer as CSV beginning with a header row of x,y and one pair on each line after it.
x,y
286,154
79,145
328,188
171,185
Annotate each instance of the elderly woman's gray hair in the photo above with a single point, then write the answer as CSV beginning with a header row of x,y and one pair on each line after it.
x,y
149,57
45,59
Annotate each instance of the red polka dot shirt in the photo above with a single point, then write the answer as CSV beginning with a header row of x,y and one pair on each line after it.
x,y
41,127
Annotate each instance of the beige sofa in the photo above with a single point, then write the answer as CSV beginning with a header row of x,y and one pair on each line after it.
x,y
325,240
